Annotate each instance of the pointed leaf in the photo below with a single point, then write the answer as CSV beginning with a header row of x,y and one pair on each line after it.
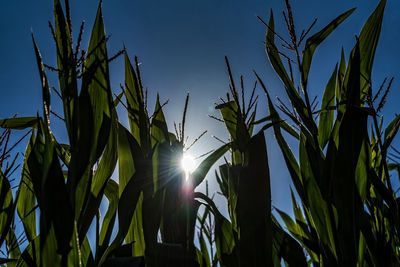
x,y
314,41
326,116
201,171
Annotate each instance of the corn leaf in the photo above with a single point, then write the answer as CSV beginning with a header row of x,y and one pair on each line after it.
x,y
56,209
326,115
19,123
234,122
254,206
391,131
201,171
45,84
314,41
26,202
101,177
368,41
291,163
95,107
6,209
112,194
225,241
286,247
67,70
138,118
131,161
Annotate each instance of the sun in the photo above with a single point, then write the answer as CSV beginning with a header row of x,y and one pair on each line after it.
x,y
188,164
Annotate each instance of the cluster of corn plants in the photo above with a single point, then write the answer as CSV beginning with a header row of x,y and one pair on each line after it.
x,y
349,211
64,184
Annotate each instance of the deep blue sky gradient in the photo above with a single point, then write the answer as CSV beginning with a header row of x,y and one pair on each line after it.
x,y
181,45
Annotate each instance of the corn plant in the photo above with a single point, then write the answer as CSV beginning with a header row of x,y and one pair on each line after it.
x,y
349,213
149,170
251,236
68,196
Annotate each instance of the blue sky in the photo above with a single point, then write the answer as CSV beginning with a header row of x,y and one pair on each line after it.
x,y
181,45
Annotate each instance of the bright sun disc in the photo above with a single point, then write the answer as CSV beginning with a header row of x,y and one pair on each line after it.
x,y
188,163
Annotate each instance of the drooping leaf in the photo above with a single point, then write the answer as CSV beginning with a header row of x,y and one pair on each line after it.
x,y
314,41
201,171
391,131
19,123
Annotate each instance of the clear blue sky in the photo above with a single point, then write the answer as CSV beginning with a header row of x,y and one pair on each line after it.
x,y
181,45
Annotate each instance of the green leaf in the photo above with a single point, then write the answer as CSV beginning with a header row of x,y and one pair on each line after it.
x,y
326,115
340,79
6,207
201,171
26,202
138,118
131,164
321,216
19,123
204,251
95,108
158,129
55,208
13,246
102,175
160,143
363,165
45,85
112,194
391,131
97,83
31,256
314,41
224,238
368,41
353,132
126,208
67,76
286,247
234,122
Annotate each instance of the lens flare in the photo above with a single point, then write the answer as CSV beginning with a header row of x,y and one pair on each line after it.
x,y
188,165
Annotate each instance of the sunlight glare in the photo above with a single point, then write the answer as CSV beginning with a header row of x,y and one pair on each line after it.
x,y
188,164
